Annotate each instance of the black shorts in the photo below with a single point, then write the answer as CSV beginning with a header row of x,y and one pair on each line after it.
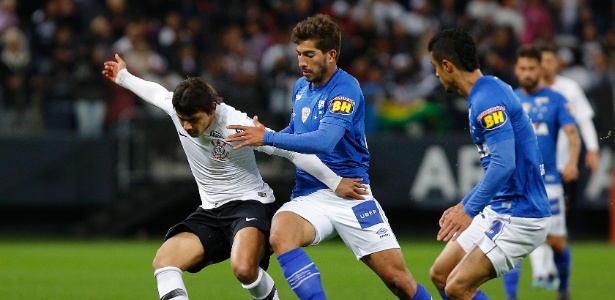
x,y
217,227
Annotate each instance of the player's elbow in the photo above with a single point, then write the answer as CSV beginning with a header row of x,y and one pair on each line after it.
x,y
325,147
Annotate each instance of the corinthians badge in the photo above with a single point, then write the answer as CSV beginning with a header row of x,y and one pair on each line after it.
x,y
219,150
305,113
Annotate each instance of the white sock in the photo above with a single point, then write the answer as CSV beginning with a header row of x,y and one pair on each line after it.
x,y
262,287
170,284
542,261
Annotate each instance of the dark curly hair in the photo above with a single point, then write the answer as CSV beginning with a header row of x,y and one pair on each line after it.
x,y
321,29
456,45
195,95
529,51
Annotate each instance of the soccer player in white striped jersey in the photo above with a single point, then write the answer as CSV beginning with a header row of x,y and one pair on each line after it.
x,y
234,218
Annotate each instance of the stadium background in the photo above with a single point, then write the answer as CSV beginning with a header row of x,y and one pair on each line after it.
x,y
82,158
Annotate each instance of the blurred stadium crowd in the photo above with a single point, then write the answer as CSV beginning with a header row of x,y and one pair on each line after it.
x,y
52,53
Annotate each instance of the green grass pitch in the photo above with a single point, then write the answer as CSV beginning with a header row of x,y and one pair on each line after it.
x,y
121,269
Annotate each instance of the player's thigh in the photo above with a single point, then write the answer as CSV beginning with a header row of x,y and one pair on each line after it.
x,y
446,261
249,247
183,250
362,225
474,269
509,239
299,223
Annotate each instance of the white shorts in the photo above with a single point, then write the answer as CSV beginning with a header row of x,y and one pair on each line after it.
x,y
504,239
555,193
361,224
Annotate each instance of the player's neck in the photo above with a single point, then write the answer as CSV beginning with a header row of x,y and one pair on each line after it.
x,y
330,72
467,81
548,80
532,90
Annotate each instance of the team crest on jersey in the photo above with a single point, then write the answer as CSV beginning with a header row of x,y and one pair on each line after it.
x,y
219,151
342,105
305,113
493,117
215,134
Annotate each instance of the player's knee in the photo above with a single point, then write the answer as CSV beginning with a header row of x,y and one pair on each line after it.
x,y
455,291
246,273
160,262
438,278
281,242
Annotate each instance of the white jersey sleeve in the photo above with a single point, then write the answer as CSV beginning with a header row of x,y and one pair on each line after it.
x,y
149,91
583,114
309,163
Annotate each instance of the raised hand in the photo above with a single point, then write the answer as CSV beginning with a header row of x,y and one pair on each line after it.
x,y
112,68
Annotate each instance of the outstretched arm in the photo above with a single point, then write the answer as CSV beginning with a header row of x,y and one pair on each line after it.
x,y
149,91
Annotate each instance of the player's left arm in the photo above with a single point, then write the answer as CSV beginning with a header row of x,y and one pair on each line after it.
x,y
583,115
502,165
590,139
571,171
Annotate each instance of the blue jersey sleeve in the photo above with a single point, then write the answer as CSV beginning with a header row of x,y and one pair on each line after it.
x,y
343,106
565,113
320,141
501,167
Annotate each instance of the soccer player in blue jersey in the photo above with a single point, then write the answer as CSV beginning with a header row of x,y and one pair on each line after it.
x,y
549,112
328,120
506,215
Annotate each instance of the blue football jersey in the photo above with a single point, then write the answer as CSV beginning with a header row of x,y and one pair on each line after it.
x,y
339,102
496,115
549,111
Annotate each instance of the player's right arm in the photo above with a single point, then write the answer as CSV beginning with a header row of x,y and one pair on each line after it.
x,y
149,91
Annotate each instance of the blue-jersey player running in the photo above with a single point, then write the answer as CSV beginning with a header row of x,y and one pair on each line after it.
x,y
328,120
549,112
506,215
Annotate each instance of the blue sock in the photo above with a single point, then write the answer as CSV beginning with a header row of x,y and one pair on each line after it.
x,y
421,293
511,281
480,296
302,275
562,262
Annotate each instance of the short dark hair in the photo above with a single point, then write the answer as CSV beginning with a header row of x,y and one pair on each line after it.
x,y
195,95
320,28
529,51
549,49
456,45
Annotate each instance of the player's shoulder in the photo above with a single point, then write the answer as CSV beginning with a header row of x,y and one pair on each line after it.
x,y
344,78
554,96
565,83
227,114
491,90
